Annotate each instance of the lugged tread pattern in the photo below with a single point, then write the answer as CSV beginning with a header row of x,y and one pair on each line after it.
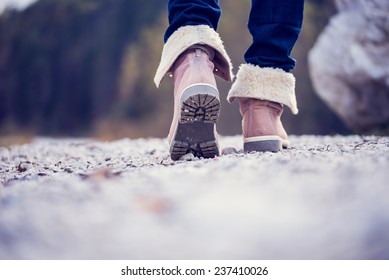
x,y
195,133
208,149
200,107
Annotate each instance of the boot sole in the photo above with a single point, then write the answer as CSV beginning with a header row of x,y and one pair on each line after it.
x,y
272,143
195,134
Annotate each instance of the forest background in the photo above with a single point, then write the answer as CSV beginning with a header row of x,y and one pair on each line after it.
x,y
85,69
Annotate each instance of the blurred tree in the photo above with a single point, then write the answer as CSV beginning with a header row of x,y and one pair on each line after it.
x,y
60,60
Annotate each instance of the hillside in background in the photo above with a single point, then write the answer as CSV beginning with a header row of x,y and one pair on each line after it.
x,y
85,68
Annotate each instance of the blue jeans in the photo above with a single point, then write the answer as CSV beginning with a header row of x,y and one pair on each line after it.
x,y
274,25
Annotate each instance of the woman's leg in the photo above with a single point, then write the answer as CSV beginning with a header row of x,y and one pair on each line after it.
x,y
193,53
264,83
275,26
197,12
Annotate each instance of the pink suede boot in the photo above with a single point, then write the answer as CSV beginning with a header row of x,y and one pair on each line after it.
x,y
261,125
196,105
262,94
194,54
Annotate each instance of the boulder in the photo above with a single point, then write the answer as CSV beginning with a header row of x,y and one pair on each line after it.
x,y
349,65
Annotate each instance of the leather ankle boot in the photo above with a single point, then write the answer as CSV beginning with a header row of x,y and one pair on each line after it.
x,y
261,125
194,54
196,105
262,94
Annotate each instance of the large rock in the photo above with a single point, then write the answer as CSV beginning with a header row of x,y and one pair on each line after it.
x,y
349,65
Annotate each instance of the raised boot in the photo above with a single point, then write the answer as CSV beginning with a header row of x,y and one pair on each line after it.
x,y
196,105
194,55
262,94
261,125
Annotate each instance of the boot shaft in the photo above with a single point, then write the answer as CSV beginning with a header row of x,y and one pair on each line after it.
x,y
196,105
194,66
261,118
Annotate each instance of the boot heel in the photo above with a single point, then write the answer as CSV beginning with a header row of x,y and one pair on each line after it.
x,y
200,103
199,112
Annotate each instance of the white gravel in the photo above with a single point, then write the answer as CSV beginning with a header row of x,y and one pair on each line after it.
x,y
325,198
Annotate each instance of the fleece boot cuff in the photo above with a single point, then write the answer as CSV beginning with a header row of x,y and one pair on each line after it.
x,y
266,84
183,39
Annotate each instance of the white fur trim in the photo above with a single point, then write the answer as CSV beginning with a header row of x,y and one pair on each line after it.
x,y
184,38
266,84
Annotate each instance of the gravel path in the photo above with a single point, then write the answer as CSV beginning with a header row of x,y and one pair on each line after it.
x,y
325,198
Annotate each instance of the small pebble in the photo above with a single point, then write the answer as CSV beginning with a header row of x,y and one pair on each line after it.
x,y
23,166
229,151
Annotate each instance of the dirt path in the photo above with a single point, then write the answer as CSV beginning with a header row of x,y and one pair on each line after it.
x,y
326,197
